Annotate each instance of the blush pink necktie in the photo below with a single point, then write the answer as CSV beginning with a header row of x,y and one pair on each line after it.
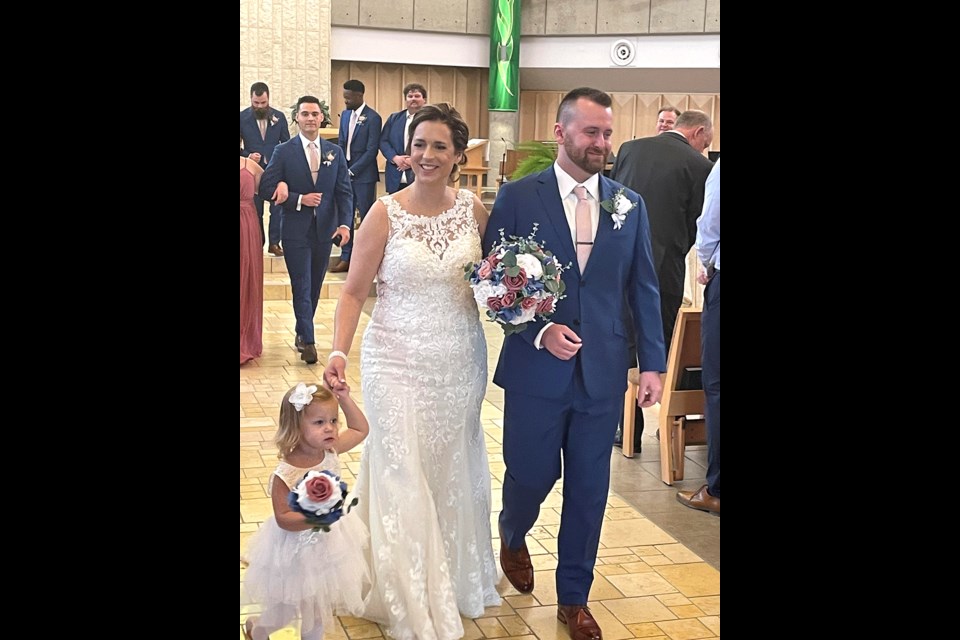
x,y
263,129
314,160
584,227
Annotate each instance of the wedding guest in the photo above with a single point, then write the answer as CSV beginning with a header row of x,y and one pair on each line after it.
x,y
395,137
251,262
360,138
300,173
294,569
424,483
262,128
669,171
667,118
564,380
707,497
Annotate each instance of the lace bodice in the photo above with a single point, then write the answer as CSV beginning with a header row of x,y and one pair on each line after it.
x,y
420,281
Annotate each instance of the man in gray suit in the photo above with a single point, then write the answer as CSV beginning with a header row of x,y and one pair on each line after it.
x,y
669,171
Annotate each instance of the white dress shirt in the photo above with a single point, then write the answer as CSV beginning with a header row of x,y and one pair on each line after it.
x,y
565,184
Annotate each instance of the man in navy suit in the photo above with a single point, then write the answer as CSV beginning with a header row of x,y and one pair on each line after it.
x,y
360,139
262,128
309,177
394,140
564,380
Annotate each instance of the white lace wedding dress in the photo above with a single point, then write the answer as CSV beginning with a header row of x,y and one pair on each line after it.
x,y
424,483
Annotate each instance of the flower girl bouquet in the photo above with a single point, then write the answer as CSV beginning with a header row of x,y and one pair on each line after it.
x,y
320,496
517,282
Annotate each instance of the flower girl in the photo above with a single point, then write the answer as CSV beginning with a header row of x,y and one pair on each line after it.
x,y
302,564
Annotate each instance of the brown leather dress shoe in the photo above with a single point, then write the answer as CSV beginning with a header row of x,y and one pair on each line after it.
x,y
275,250
309,354
579,621
340,267
516,566
699,499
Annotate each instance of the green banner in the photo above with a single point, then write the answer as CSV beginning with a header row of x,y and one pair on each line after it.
x,y
504,55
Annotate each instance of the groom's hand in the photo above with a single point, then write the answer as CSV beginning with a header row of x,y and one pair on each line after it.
x,y
561,341
650,389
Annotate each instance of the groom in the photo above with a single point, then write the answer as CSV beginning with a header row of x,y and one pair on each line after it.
x,y
564,380
308,176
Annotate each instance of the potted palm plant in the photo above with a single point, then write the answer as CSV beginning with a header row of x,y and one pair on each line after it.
x,y
537,156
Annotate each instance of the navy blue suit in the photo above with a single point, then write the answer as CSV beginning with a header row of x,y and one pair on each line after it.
x,y
568,409
362,163
307,233
277,132
391,144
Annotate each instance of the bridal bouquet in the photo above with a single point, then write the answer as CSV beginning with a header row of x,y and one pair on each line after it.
x,y
517,282
320,496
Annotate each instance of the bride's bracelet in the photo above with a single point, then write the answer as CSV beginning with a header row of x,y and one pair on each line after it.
x,y
339,354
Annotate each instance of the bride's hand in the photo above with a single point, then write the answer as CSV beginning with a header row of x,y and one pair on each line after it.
x,y
335,374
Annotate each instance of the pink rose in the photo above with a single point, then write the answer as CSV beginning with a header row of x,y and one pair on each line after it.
x,y
508,299
516,283
546,305
527,303
495,304
320,488
485,270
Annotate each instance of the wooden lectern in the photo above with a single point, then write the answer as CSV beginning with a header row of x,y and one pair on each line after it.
x,y
472,174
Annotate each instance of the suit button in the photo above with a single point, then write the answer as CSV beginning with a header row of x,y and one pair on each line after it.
x,y
576,323
583,283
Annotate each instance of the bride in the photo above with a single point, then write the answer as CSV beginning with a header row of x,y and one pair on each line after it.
x,y
424,483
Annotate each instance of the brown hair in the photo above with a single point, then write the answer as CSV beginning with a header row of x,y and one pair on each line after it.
x,y
443,112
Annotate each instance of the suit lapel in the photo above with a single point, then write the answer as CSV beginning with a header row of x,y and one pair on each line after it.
x,y
605,223
549,193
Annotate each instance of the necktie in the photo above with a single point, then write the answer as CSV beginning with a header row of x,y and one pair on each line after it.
x,y
263,129
584,227
314,160
353,125
406,141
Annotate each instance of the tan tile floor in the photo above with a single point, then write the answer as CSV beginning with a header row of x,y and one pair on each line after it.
x,y
647,585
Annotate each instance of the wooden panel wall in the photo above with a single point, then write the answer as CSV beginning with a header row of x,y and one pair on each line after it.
x,y
464,88
634,114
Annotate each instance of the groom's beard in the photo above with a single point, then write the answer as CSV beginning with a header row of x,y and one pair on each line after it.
x,y
261,113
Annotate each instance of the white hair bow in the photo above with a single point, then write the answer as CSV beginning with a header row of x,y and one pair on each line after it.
x,y
302,395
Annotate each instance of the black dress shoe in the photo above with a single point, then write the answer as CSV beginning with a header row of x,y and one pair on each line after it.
x,y
298,343
309,354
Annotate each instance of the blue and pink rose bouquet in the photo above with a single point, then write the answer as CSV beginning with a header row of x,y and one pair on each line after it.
x,y
320,496
517,282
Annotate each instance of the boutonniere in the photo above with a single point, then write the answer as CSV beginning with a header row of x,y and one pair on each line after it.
x,y
618,205
274,120
329,159
361,120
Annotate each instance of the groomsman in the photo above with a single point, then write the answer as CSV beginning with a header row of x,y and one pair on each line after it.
x,y
360,139
395,136
262,128
308,176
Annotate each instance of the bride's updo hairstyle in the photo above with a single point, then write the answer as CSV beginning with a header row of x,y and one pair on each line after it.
x,y
459,132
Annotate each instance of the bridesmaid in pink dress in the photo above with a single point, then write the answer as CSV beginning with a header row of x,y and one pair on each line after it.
x,y
251,264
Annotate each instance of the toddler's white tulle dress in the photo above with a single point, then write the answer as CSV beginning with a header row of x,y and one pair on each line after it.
x,y
318,574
